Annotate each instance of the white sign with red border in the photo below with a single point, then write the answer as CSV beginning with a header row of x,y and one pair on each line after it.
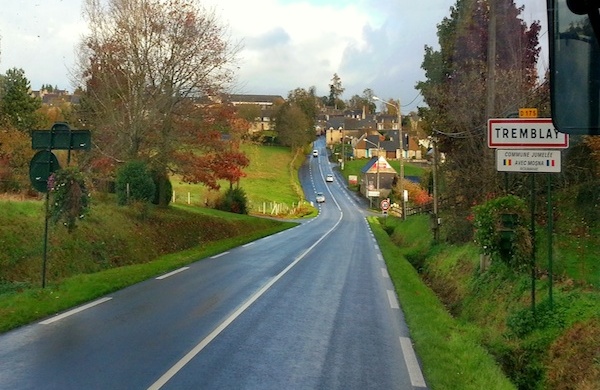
x,y
385,204
525,133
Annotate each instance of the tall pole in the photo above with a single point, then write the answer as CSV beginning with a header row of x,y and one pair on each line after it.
x,y
378,152
343,152
401,161
435,195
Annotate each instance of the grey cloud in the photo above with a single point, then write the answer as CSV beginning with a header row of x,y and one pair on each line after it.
x,y
275,37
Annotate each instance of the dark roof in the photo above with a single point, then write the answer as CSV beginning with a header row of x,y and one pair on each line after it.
x,y
335,122
253,98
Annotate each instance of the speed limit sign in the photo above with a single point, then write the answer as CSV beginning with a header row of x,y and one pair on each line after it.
x,y
385,204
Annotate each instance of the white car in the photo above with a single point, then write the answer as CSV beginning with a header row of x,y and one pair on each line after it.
x,y
315,153
320,198
329,178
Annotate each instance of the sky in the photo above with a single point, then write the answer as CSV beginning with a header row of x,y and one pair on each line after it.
x,y
285,44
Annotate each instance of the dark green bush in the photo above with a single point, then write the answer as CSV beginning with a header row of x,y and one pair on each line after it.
x,y
156,177
501,230
456,227
134,183
234,201
524,322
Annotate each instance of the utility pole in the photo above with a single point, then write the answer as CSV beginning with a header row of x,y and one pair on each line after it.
x,y
491,61
401,162
436,225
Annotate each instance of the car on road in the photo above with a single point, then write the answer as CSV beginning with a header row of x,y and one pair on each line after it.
x,y
315,153
320,198
329,178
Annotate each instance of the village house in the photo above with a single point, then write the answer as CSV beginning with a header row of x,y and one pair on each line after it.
x,y
264,106
377,178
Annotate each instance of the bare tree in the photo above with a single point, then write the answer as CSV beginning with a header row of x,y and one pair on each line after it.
x,y
142,63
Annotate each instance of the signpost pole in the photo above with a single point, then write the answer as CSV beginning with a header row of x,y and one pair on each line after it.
x,y
550,228
45,255
532,176
46,210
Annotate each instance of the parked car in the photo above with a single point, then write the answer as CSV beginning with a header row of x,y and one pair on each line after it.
x,y
320,198
329,178
315,153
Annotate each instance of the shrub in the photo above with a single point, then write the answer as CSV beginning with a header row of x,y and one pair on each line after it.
x,y
134,183
69,197
234,201
500,230
457,227
156,177
547,318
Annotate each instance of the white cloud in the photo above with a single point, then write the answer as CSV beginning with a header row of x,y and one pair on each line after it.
x,y
286,43
39,37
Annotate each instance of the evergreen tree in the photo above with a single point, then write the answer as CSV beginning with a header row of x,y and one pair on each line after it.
x,y
17,106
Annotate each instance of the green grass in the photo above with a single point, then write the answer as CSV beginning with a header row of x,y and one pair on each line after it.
x,y
270,178
450,351
19,308
494,310
112,248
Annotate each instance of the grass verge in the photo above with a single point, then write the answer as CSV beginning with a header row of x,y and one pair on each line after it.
x,y
27,304
449,350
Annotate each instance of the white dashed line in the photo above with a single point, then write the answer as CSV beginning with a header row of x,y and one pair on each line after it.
x,y
74,311
414,371
172,273
393,300
384,273
219,255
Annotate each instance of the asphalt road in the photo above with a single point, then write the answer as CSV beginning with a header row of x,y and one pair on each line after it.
x,y
308,308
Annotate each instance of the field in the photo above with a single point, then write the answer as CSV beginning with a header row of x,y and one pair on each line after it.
x,y
270,178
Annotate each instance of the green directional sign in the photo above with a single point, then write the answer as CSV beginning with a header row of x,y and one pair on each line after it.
x,y
61,140
42,165
61,137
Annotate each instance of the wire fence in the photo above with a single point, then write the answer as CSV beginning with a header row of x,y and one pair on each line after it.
x,y
269,208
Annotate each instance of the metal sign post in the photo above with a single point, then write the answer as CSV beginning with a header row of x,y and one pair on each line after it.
x,y
529,145
44,163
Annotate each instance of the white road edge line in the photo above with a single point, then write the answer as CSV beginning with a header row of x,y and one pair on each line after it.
x,y
412,364
248,244
200,346
393,300
74,311
384,273
219,255
172,273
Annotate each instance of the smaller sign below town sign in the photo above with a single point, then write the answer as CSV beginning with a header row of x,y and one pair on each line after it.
x,y
528,160
524,133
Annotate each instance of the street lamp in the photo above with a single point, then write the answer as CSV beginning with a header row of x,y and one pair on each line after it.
x,y
401,152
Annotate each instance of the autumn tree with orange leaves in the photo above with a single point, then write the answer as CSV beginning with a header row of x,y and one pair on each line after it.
x,y
149,67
